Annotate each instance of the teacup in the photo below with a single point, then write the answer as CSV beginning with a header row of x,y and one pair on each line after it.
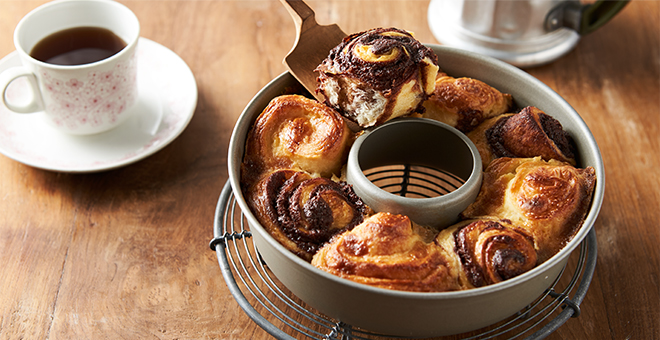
x,y
77,96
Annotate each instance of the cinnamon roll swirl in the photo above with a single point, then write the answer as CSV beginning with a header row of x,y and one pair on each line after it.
x,y
490,250
464,102
294,132
377,75
387,251
529,133
549,199
303,212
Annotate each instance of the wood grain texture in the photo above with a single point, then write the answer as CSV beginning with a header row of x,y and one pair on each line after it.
x,y
123,254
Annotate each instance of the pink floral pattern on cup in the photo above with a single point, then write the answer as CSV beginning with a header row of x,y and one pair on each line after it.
x,y
100,98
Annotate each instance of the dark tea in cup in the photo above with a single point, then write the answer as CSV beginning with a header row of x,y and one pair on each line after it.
x,y
79,59
78,46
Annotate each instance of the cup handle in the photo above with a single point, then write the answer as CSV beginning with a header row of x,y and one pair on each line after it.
x,y
584,19
7,77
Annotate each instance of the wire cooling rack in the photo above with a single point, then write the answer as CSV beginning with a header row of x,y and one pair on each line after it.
x,y
284,316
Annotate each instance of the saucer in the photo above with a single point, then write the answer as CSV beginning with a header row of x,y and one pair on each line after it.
x,y
166,103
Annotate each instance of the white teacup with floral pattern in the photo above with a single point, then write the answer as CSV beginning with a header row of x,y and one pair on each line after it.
x,y
77,99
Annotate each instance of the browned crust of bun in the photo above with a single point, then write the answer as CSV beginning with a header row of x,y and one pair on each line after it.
x,y
529,133
549,199
478,137
464,103
388,251
385,251
295,132
493,250
303,212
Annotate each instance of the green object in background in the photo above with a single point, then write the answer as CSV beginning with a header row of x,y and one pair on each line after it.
x,y
584,19
596,15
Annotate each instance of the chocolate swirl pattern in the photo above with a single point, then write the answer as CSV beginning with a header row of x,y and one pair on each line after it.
x,y
492,250
549,199
464,102
303,212
386,251
529,133
294,132
377,75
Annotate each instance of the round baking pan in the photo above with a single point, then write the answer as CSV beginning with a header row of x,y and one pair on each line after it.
x,y
424,314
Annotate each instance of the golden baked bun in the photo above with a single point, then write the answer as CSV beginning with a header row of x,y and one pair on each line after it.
x,y
303,212
386,251
527,134
377,75
489,250
549,199
465,103
294,132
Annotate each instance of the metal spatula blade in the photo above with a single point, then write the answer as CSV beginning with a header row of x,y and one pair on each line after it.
x,y
313,43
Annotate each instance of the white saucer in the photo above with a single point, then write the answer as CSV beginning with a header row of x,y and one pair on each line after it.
x,y
166,103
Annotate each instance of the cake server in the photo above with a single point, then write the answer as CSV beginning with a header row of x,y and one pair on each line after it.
x,y
312,45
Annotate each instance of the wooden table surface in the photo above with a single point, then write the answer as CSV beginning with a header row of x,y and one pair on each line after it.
x,y
123,254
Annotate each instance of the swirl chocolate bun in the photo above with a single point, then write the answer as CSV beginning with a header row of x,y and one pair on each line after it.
x,y
303,212
294,132
529,133
489,250
549,199
465,103
387,251
377,75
